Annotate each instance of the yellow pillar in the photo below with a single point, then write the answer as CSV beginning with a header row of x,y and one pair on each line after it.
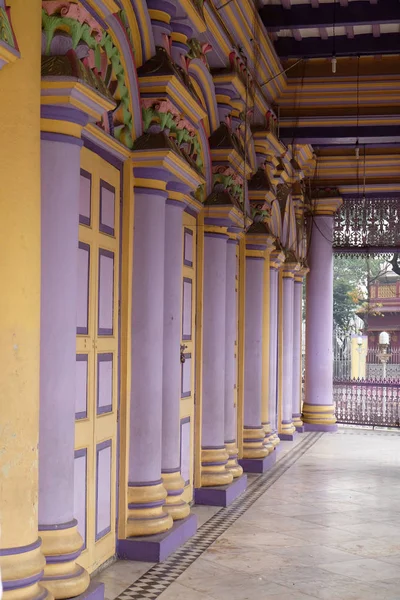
x,y
21,559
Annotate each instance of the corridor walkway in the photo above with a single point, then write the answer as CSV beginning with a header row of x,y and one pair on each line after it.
x,y
325,524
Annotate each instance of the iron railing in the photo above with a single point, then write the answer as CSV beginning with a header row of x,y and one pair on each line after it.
x,y
363,402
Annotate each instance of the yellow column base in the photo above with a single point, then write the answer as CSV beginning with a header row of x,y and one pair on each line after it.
x,y
317,414
275,441
20,567
297,422
253,443
63,577
268,437
287,428
232,465
174,505
213,467
146,510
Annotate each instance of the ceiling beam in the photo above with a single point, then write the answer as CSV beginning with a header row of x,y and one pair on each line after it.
x,y
341,135
359,12
311,47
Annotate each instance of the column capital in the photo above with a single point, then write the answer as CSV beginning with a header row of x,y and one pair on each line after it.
x,y
325,206
276,259
68,105
215,230
290,269
299,276
259,244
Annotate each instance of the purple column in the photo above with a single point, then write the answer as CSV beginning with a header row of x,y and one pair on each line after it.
x,y
171,379
253,434
318,408
146,493
231,324
286,426
273,349
297,320
60,177
214,455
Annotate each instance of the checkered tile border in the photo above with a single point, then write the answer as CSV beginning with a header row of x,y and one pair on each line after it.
x,y
158,578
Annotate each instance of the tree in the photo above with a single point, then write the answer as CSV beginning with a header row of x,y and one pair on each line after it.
x,y
353,277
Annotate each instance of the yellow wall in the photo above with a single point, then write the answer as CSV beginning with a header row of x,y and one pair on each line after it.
x,y
20,272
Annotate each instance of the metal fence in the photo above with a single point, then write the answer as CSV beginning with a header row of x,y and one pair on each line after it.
x,y
374,403
374,368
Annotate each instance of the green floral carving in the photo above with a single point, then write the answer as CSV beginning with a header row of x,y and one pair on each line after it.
x,y
6,32
82,32
182,135
233,187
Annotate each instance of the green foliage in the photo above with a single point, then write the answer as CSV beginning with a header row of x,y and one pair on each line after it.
x,y
352,278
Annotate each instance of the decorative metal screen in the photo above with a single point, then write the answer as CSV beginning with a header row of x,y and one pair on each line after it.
x,y
367,225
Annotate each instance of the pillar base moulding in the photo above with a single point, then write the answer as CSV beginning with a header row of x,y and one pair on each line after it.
x,y
21,571
275,440
213,467
174,505
268,439
297,422
317,417
156,548
221,495
232,465
146,509
287,428
253,443
62,546
258,465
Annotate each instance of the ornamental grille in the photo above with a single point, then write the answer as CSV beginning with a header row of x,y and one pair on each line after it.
x,y
387,291
367,224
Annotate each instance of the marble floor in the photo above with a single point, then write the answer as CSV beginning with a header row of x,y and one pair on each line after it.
x,y
328,527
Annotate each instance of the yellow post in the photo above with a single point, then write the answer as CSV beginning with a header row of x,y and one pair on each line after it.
x,y
21,559
359,350
199,349
126,332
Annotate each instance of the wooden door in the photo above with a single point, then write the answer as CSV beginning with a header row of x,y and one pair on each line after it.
x,y
96,402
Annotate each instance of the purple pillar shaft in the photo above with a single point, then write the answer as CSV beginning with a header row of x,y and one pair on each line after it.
x,y
297,309
171,387
147,328
319,318
273,346
59,222
287,341
230,338
253,342
213,425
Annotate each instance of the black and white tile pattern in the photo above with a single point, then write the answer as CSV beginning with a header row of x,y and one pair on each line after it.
x,y
157,579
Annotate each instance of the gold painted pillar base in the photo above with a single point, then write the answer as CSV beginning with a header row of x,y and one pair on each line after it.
x,y
22,564
174,504
275,441
317,414
287,428
213,467
253,443
297,422
146,510
232,465
63,577
268,437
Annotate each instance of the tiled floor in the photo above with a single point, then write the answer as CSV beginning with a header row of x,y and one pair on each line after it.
x,y
326,525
